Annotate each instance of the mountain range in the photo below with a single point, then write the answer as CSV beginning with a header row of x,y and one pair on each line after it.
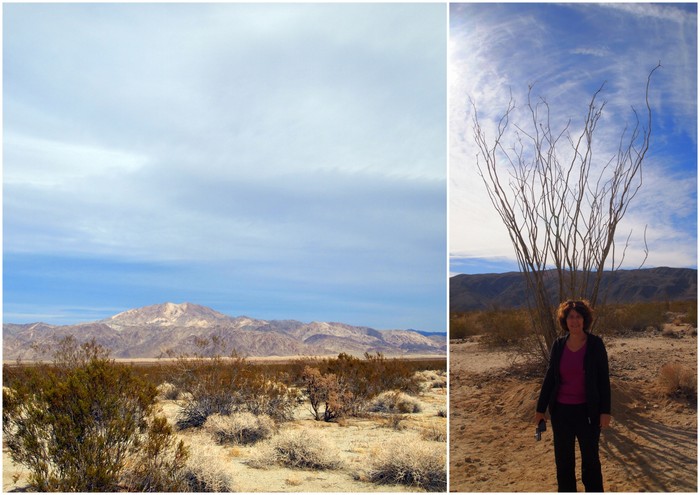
x,y
507,290
152,331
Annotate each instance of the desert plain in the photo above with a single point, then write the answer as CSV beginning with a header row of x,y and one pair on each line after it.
x,y
352,443
650,447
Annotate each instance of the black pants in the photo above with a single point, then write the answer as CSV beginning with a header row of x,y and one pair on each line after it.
x,y
570,422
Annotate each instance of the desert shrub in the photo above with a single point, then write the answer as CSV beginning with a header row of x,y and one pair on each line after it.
x,y
504,328
167,391
159,465
272,398
326,394
395,422
678,381
634,317
463,325
205,471
434,433
670,333
345,386
395,402
74,424
431,379
302,449
691,314
213,384
368,377
240,428
196,410
410,461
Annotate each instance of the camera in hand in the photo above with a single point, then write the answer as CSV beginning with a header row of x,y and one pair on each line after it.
x,y
541,426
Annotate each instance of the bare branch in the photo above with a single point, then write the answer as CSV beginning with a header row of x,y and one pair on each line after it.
x,y
561,217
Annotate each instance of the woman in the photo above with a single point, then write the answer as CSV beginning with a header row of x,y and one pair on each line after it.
x,y
576,389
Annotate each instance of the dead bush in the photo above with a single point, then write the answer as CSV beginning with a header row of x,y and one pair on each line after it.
x,y
167,391
395,422
395,401
463,325
677,380
240,428
430,379
205,470
670,333
214,384
327,394
410,461
302,449
434,433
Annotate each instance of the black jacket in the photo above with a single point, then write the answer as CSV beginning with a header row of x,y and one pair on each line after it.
x,y
597,376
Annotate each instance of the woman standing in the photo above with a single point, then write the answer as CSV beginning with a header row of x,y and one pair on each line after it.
x,y
576,389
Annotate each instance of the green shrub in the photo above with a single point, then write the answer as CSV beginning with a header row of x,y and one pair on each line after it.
x,y
159,465
74,424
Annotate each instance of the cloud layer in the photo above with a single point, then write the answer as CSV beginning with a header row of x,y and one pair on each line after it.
x,y
286,147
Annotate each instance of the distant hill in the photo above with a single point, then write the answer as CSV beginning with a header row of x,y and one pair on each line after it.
x,y
153,330
507,290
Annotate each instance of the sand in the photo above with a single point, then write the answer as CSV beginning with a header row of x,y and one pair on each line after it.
x,y
651,445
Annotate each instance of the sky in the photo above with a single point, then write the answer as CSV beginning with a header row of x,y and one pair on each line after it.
x,y
568,51
279,161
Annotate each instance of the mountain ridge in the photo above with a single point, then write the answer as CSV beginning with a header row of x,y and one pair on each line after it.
x,y
507,290
170,328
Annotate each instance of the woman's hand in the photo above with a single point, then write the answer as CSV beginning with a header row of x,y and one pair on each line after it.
x,y
605,421
538,417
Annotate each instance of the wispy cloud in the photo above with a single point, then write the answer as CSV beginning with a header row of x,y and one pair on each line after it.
x,y
569,51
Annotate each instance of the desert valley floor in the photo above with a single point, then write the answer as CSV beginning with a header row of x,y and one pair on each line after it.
x,y
353,441
651,446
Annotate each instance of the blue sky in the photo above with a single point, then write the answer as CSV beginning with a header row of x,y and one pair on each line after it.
x,y
568,51
273,160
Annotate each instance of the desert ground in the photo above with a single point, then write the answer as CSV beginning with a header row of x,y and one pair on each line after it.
x,y
353,441
650,447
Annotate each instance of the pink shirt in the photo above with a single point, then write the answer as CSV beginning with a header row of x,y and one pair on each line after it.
x,y
573,379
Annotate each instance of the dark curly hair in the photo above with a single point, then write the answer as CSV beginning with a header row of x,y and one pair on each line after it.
x,y
582,307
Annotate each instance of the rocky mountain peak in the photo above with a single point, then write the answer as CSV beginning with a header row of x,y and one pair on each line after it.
x,y
150,331
169,314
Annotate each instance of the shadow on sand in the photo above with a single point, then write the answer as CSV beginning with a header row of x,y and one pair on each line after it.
x,y
666,459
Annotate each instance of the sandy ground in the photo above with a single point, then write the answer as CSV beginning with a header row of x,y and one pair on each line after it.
x,y
651,446
357,439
